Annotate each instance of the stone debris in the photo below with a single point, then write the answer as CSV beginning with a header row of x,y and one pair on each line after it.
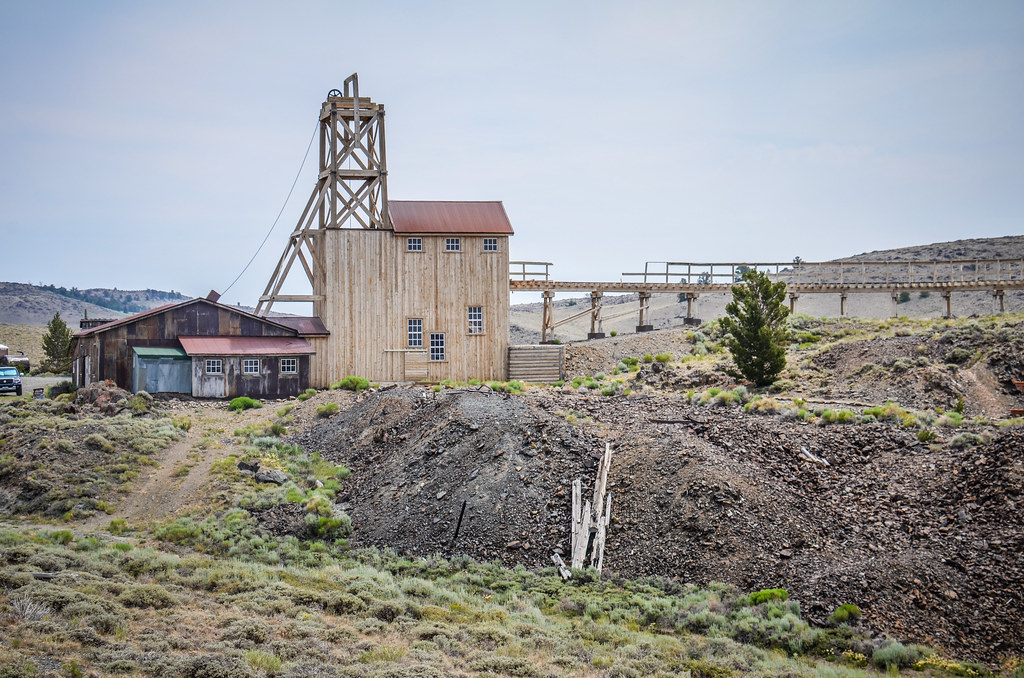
x,y
874,518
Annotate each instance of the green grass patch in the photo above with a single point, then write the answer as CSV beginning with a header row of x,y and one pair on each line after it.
x,y
243,403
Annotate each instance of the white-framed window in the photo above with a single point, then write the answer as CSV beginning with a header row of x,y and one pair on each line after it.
x,y
475,315
453,244
414,244
250,366
214,366
414,332
490,244
437,347
289,365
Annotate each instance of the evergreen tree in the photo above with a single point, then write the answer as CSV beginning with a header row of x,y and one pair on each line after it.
x,y
57,346
757,322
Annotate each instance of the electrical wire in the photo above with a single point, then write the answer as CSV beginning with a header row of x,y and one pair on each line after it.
x,y
274,225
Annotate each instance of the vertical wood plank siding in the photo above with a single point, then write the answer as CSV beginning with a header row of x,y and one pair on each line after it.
x,y
232,382
110,350
372,285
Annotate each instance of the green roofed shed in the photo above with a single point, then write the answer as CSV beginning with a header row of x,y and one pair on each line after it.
x,y
159,369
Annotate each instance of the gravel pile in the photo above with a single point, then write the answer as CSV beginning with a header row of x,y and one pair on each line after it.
x,y
925,538
416,456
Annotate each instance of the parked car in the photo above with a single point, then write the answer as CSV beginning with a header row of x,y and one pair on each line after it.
x,y
10,379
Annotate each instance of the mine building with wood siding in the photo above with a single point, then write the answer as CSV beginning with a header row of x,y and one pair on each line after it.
x,y
199,347
424,300
410,290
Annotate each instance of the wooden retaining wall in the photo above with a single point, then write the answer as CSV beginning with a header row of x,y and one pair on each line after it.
x,y
542,364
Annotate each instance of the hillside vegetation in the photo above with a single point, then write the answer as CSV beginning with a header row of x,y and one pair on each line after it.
x,y
860,517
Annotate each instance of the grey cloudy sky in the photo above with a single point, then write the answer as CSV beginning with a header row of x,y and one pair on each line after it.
x,y
152,144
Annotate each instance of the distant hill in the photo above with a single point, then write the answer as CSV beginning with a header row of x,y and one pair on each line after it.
x,y
1007,247
25,304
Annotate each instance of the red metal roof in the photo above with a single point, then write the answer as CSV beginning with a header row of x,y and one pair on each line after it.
x,y
303,325
440,216
245,346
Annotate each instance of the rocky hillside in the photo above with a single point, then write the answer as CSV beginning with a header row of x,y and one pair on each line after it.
x,y
1007,247
908,510
25,304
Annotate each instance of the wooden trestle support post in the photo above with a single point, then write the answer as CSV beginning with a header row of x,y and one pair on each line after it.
x,y
547,320
690,296
645,309
351,190
596,326
1000,297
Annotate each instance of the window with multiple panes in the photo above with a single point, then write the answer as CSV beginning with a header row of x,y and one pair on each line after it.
x,y
453,244
414,244
251,366
289,365
415,332
476,319
214,366
437,346
490,244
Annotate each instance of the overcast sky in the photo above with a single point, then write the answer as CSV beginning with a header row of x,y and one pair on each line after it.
x,y
153,144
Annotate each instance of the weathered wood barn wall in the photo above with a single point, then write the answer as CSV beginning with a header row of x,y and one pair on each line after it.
x,y
112,351
373,282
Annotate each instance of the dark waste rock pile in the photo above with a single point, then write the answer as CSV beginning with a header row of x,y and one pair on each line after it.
x,y
416,456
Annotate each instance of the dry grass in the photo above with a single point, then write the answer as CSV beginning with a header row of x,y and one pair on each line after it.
x,y
25,338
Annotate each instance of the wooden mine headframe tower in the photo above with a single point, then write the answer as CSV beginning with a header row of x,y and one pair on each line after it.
x,y
351,190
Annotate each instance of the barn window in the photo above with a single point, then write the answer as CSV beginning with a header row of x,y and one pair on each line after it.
x,y
251,366
490,244
289,365
415,332
414,244
476,319
437,346
453,244
214,366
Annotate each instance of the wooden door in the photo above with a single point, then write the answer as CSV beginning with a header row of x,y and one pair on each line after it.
x,y
416,363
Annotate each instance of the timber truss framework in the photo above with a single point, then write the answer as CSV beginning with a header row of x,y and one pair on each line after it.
x,y
839,277
351,189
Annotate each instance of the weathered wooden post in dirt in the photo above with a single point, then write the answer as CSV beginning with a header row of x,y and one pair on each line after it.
x,y
590,519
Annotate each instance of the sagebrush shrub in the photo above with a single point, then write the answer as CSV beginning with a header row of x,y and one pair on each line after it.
x,y
98,442
147,595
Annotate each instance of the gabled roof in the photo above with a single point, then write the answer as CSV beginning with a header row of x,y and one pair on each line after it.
x,y
167,307
441,216
246,346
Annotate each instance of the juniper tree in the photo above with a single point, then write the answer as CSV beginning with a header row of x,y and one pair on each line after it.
x,y
756,321
57,345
